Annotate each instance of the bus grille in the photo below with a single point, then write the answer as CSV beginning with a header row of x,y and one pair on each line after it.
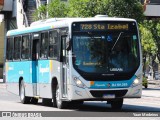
x,y
100,93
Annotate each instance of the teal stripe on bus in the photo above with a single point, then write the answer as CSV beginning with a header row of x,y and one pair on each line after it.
x,y
27,30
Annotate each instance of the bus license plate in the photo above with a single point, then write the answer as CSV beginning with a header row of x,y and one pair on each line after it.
x,y
109,96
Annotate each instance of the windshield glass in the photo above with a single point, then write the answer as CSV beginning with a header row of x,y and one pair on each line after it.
x,y
105,52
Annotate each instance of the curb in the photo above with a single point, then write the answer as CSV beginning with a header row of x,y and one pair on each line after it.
x,y
154,82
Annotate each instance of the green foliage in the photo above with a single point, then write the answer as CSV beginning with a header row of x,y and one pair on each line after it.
x,y
87,8
90,8
147,40
158,28
119,8
154,27
41,13
57,8
126,9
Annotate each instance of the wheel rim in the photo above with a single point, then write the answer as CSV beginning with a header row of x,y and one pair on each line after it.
x,y
22,92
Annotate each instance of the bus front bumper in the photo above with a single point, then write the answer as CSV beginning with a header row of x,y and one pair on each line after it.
x,y
76,93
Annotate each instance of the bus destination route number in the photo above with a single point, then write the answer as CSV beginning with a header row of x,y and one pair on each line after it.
x,y
93,27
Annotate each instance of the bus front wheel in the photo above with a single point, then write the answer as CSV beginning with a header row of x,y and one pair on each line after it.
x,y
117,103
60,104
24,99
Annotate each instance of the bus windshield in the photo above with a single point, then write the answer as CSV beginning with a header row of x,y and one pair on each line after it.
x,y
105,52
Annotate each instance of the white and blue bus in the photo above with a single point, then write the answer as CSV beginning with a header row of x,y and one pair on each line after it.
x,y
72,60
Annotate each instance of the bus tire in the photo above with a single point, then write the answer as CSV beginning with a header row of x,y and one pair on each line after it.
x,y
46,102
54,96
117,104
76,103
34,100
24,99
60,104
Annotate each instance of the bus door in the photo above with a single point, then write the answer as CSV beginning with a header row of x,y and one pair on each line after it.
x,y
65,66
35,57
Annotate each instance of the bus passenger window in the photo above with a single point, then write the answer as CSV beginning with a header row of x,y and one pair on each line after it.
x,y
16,54
53,45
9,50
25,48
44,45
51,51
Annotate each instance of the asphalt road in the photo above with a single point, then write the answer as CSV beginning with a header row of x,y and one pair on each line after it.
x,y
150,102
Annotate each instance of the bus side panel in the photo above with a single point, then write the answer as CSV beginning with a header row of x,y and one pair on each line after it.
x,y
47,69
44,78
15,71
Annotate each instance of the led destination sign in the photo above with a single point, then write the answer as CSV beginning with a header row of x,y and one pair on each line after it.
x,y
118,26
102,27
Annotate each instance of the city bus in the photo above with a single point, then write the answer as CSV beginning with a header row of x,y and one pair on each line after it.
x,y
71,60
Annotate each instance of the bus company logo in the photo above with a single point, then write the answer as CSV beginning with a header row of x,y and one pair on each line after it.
x,y
6,114
44,70
108,85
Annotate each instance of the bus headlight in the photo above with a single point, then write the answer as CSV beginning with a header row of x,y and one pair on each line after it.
x,y
78,82
135,82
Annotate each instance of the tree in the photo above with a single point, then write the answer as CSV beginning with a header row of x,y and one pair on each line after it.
x,y
118,8
149,45
40,13
147,40
87,8
126,9
56,8
154,27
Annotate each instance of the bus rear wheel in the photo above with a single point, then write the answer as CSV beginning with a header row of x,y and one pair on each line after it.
x,y
117,103
24,99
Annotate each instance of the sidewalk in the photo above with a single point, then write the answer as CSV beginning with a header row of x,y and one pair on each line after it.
x,y
154,82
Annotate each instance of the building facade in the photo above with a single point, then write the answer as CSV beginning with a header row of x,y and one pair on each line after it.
x,y
7,18
152,10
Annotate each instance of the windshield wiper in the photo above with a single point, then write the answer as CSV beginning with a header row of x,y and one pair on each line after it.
x,y
117,40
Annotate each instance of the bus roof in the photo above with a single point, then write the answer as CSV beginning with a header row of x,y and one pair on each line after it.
x,y
47,24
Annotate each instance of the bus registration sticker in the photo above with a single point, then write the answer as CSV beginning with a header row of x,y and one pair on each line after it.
x,y
109,96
